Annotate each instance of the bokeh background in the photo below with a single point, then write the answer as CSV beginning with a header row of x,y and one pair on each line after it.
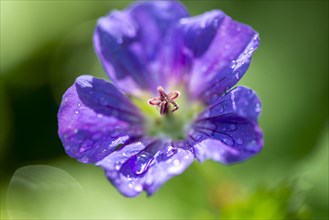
x,y
45,45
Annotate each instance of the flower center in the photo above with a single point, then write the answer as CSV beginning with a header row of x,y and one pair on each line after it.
x,y
170,123
165,100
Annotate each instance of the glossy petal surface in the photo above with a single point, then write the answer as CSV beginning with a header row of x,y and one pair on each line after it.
x,y
221,49
135,46
227,131
145,166
94,118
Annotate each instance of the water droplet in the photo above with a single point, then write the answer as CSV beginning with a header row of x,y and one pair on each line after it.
x,y
206,114
232,127
233,64
117,165
237,75
258,107
239,141
142,163
197,137
215,23
238,28
84,159
149,180
79,104
103,101
138,188
86,145
183,21
130,185
119,39
176,162
170,151
228,141
76,112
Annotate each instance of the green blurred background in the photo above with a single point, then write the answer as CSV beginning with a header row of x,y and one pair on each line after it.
x,y
45,45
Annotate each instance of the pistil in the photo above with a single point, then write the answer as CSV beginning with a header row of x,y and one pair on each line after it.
x,y
165,101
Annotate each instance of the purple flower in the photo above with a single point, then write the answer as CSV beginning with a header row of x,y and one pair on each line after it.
x,y
154,52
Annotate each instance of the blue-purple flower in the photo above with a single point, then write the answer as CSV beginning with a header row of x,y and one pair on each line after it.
x,y
154,52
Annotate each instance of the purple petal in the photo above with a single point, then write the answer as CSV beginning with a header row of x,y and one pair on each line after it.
x,y
145,166
94,118
130,44
227,131
221,50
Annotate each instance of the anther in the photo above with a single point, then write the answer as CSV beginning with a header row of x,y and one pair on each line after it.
x,y
164,101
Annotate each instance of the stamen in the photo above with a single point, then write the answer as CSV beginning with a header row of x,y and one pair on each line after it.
x,y
164,101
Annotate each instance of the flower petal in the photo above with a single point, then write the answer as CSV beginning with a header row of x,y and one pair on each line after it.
x,y
94,118
130,44
221,50
227,131
145,166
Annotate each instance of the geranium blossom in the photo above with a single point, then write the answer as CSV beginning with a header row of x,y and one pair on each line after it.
x,y
171,98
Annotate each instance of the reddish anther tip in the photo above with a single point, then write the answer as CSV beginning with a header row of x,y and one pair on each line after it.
x,y
164,101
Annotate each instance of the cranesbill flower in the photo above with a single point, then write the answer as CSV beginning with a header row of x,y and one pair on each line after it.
x,y
171,98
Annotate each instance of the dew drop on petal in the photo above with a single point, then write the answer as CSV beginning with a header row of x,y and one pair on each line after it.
x,y
258,107
149,180
233,64
103,101
138,188
76,112
117,165
170,151
233,127
228,141
84,159
239,141
142,163
176,162
238,28
86,145
237,75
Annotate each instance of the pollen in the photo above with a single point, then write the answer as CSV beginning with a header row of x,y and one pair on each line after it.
x,y
165,101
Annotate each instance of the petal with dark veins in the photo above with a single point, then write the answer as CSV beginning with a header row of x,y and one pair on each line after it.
x,y
95,118
137,55
227,131
221,49
145,166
